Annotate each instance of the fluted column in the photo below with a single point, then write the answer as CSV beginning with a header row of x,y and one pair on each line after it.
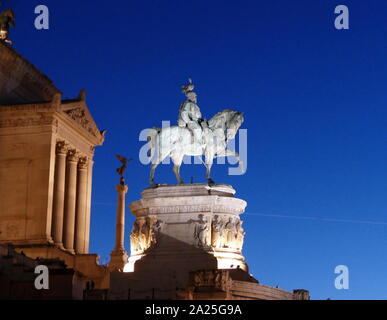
x,y
70,201
80,212
119,257
59,193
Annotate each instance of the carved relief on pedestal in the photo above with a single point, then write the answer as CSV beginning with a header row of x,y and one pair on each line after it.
x,y
210,278
201,232
155,232
227,233
217,229
145,233
230,230
134,242
240,235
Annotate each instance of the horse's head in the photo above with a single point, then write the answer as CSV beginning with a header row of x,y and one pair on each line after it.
x,y
233,124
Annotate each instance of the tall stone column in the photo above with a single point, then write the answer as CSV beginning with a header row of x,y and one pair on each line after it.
x,y
88,203
59,193
70,201
80,211
119,256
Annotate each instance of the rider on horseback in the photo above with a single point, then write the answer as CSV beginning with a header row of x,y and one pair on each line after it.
x,y
190,115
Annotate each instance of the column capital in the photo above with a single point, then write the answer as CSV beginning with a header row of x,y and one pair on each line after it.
x,y
61,147
83,163
122,188
72,155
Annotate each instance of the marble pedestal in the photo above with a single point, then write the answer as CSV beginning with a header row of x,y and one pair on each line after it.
x,y
186,243
181,228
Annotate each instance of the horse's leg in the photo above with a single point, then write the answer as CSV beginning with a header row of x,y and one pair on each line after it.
x,y
176,170
177,160
159,159
209,160
152,173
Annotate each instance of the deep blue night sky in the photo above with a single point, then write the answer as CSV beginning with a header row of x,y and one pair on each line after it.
x,y
314,100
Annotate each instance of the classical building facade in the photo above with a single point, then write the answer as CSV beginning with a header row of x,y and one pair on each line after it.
x,y
46,162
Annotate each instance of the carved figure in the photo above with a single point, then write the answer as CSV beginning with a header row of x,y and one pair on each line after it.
x,y
155,231
240,234
134,237
200,232
144,235
230,233
217,232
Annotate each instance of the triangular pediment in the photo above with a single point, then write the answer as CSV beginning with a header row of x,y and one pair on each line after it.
x,y
79,113
20,81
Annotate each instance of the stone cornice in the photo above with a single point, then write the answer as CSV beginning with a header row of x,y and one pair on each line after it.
x,y
27,122
174,199
48,113
191,209
180,205
30,107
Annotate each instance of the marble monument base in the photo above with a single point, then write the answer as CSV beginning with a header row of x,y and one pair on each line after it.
x,y
186,243
180,229
192,222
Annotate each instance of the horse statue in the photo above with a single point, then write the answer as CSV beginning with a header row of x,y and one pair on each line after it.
x,y
7,20
176,142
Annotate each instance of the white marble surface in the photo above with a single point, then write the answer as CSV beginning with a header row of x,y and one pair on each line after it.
x,y
174,221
